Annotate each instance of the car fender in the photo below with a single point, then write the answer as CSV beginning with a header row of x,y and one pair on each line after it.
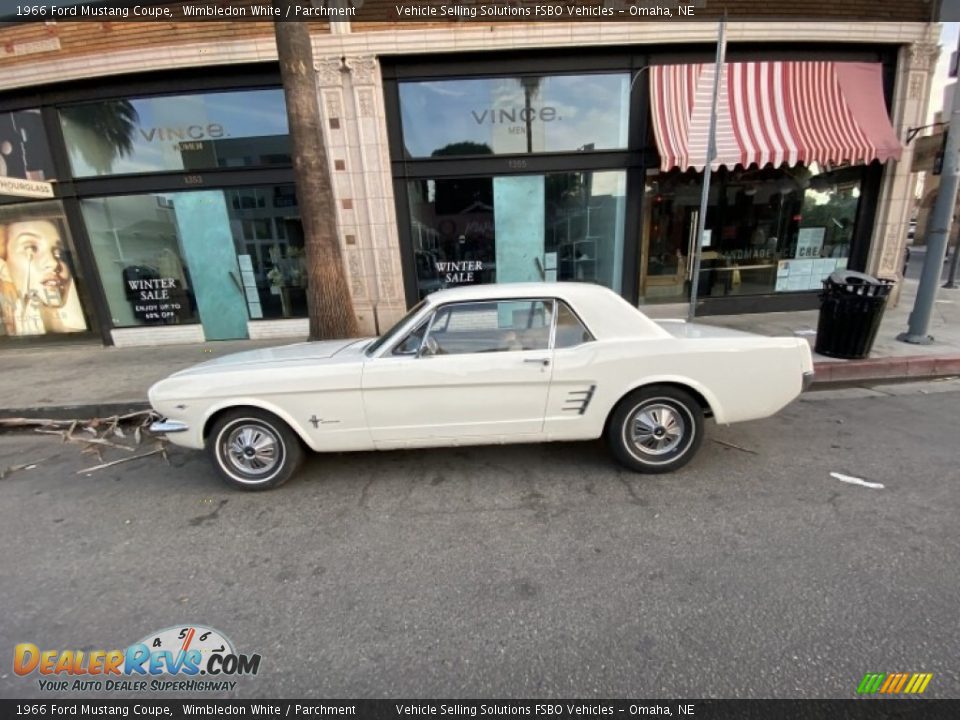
x,y
715,406
260,404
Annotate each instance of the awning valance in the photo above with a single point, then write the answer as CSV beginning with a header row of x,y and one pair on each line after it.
x,y
772,113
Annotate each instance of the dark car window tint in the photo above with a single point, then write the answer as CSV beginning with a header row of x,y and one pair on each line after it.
x,y
570,331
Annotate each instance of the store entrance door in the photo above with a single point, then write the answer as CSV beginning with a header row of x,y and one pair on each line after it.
x,y
203,226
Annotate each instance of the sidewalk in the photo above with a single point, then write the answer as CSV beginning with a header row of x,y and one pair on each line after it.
x,y
89,380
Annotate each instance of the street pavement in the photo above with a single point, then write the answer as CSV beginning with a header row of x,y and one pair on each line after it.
x,y
915,265
518,571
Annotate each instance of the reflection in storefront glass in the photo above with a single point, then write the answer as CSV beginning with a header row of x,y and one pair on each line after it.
x,y
38,283
768,230
185,132
561,226
555,113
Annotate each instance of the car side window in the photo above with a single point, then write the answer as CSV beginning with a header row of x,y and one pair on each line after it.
x,y
570,331
496,326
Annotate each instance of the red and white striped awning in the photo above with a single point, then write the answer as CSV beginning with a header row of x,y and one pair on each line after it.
x,y
772,113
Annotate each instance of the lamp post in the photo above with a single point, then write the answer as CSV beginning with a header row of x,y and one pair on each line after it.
x,y
707,169
938,232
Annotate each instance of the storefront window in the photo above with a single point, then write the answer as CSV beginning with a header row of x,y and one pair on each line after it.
x,y
184,132
139,253
268,235
767,230
24,154
220,257
38,278
561,226
545,113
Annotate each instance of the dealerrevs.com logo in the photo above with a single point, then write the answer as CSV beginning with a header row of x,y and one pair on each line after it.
x,y
188,658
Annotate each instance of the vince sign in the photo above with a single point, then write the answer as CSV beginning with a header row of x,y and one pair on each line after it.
x,y
515,119
503,116
188,132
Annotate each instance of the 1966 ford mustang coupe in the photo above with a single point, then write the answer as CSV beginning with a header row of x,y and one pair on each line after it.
x,y
484,364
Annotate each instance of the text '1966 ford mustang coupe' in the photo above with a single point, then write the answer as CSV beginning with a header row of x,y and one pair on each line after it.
x,y
484,364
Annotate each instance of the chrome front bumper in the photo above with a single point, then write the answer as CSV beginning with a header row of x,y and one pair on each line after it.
x,y
808,379
168,426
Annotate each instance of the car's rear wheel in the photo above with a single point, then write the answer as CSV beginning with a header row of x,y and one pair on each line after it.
x,y
656,429
253,449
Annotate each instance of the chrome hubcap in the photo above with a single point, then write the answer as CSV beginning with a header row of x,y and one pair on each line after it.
x,y
657,429
253,449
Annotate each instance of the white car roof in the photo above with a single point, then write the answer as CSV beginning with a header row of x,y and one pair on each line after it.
x,y
606,314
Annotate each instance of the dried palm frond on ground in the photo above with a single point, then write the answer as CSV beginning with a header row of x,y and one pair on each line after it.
x,y
118,432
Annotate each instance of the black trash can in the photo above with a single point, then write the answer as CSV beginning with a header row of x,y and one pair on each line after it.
x,y
851,308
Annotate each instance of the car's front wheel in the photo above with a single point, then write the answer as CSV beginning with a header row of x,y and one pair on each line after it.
x,y
656,429
253,449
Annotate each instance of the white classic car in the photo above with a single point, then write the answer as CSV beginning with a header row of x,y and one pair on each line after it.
x,y
484,364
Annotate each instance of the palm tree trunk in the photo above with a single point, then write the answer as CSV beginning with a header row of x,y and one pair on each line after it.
x,y
328,292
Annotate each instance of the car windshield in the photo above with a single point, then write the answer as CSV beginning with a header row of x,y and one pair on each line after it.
x,y
389,334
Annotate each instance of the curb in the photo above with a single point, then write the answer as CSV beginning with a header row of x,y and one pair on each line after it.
x,y
911,367
76,412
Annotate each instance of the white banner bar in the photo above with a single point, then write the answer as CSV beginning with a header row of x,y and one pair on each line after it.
x,y
25,188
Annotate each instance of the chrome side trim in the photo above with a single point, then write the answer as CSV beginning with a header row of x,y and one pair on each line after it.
x,y
168,426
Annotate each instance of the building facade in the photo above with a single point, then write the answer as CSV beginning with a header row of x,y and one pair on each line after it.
x,y
460,152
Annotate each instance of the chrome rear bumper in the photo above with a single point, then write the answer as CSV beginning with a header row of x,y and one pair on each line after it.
x,y
168,426
808,379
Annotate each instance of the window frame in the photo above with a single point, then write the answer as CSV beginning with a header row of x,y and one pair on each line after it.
x,y
564,303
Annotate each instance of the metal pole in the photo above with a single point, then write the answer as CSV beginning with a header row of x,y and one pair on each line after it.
x,y
938,231
707,169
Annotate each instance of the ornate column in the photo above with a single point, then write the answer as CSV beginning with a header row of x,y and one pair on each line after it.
x,y
355,132
915,66
371,167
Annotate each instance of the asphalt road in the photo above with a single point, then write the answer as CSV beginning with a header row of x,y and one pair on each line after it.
x,y
521,571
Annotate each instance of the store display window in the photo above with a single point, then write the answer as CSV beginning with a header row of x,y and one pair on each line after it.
x,y
218,257
767,230
523,228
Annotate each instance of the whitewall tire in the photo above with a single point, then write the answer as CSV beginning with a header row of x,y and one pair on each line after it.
x,y
656,429
253,449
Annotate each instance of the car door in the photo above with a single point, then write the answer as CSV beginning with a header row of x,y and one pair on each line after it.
x,y
470,372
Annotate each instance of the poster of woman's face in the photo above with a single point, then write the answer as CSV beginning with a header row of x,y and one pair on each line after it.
x,y
38,293
24,153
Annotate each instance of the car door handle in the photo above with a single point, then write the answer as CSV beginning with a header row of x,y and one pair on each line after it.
x,y
538,361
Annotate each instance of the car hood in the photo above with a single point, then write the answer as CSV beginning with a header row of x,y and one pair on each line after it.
x,y
278,356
